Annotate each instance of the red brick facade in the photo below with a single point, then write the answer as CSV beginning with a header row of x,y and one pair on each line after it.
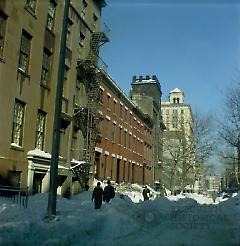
x,y
125,151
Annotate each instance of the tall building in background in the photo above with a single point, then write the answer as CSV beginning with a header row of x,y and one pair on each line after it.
x,y
146,94
178,147
30,33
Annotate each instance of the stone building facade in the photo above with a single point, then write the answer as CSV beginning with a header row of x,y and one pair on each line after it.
x,y
146,93
178,147
30,36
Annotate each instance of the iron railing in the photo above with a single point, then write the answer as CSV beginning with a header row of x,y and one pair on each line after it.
x,y
15,195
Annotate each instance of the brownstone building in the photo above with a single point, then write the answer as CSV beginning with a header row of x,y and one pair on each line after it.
x,y
30,36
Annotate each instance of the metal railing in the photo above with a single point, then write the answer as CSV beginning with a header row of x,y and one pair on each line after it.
x,y
105,29
15,195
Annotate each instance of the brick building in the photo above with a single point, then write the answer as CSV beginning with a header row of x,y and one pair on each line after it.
x,y
125,151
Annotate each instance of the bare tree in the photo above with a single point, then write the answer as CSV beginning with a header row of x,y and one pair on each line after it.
x,y
185,151
229,129
202,143
172,157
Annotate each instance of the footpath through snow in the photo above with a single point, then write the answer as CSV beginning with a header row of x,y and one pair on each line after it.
x,y
175,220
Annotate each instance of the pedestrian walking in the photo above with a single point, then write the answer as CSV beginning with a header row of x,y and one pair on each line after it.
x,y
109,192
214,196
146,193
97,196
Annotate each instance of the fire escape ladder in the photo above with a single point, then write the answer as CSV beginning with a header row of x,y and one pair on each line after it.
x,y
81,173
98,39
89,115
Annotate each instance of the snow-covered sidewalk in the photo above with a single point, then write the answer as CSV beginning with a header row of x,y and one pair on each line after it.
x,y
185,221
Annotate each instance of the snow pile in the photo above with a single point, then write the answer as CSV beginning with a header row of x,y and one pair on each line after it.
x,y
121,222
39,153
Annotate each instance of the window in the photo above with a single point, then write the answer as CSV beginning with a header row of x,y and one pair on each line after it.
x,y
107,129
51,15
85,4
18,120
120,136
82,32
31,5
95,18
124,169
24,52
45,67
121,109
68,38
78,91
101,95
40,132
105,166
129,141
125,115
14,178
114,107
3,21
108,102
65,92
112,164
129,164
176,100
125,139
114,133
82,38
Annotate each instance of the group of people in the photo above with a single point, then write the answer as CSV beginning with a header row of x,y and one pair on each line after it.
x,y
99,194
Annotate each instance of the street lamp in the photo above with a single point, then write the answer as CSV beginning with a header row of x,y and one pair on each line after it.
x,y
52,198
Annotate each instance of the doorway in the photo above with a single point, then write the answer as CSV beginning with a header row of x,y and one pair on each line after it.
x,y
97,165
118,171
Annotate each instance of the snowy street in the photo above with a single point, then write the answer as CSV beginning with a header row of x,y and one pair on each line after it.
x,y
175,220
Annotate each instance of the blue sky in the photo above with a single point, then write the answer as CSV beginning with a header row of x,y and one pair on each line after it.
x,y
192,45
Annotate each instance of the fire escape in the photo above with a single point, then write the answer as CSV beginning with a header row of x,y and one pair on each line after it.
x,y
88,117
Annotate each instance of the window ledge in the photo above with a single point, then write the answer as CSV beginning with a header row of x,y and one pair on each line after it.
x,y
31,12
16,147
50,31
23,73
45,86
2,59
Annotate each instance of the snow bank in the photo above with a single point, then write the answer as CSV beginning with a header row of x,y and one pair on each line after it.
x,y
163,221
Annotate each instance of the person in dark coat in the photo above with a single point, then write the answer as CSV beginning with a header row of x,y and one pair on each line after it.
x,y
109,192
97,195
146,193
